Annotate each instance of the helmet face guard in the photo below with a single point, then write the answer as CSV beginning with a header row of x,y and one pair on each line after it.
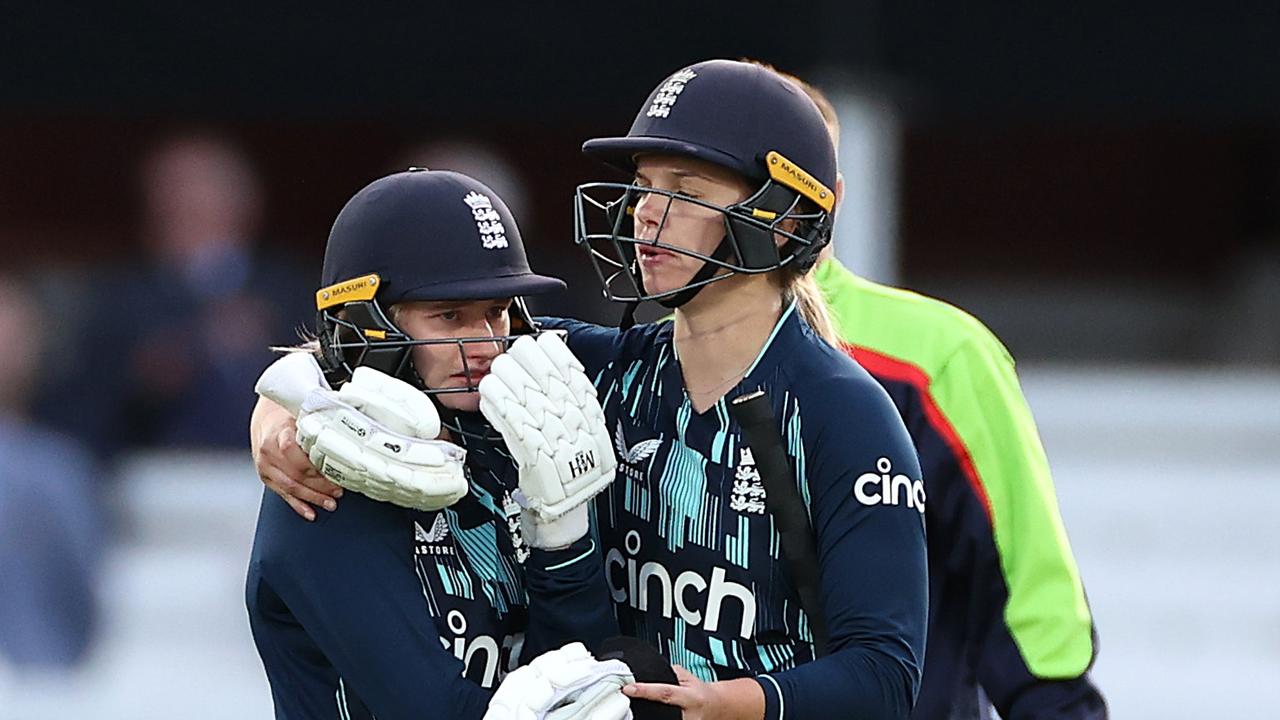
x,y
741,117
365,336
604,226
420,235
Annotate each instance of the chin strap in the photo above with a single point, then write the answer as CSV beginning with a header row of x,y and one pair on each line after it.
x,y
628,316
671,302
722,253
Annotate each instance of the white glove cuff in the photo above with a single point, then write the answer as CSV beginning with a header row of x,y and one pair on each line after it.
x,y
556,534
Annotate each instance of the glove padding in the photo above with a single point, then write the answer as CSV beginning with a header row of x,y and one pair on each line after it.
x,y
376,436
539,398
288,381
564,684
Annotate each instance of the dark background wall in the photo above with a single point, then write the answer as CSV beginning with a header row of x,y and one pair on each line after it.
x,y
1122,143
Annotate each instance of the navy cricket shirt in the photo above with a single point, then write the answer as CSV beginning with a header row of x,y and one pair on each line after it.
x,y
376,610
691,556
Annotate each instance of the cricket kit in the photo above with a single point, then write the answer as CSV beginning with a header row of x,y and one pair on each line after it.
x,y
379,609
690,551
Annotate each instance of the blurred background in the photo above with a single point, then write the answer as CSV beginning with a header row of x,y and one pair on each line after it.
x,y
1099,182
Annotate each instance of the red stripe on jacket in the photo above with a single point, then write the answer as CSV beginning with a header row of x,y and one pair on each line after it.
x,y
891,368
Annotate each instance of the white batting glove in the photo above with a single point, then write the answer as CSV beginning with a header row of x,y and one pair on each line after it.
x,y
539,398
288,381
564,684
376,436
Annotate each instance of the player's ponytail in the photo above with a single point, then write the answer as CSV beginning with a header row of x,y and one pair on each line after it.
x,y
811,304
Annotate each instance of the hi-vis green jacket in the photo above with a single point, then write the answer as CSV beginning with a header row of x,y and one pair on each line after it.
x,y
1007,608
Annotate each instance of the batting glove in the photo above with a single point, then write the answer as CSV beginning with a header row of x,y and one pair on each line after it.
x,y
539,398
376,436
564,684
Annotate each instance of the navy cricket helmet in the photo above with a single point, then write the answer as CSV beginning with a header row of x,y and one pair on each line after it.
x,y
738,115
417,235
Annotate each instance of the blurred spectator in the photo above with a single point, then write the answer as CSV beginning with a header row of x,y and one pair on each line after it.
x,y
50,529
178,339
478,160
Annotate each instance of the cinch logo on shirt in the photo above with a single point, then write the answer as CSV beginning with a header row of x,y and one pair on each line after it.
x,y
689,594
468,650
881,489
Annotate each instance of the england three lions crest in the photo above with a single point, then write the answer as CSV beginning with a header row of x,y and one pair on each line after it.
x,y
665,99
747,494
493,234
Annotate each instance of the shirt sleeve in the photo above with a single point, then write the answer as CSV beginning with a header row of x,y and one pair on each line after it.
x,y
594,345
349,585
866,503
568,599
1042,634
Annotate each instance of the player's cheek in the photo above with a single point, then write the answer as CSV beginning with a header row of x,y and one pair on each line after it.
x,y
431,371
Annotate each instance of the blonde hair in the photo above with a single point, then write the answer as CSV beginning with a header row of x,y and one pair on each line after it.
x,y
810,302
802,288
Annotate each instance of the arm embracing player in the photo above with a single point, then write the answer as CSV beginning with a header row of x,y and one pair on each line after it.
x,y
375,436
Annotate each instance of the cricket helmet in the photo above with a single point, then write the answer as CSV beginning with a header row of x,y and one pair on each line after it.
x,y
417,235
738,115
